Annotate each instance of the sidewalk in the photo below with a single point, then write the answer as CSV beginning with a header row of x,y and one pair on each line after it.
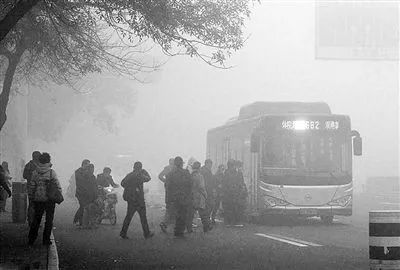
x,y
14,250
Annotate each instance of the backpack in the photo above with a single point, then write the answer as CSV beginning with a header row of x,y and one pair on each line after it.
x,y
42,181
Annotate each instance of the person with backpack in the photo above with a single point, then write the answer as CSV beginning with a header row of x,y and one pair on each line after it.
x,y
134,196
44,183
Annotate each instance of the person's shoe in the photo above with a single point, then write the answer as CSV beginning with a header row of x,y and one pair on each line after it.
x,y
163,227
150,235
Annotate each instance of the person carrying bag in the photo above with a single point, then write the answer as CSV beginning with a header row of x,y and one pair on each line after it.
x,y
44,191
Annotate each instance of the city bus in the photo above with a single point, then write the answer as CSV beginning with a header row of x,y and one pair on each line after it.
x,y
297,157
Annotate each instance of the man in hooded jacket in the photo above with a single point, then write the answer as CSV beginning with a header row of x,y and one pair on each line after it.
x,y
134,196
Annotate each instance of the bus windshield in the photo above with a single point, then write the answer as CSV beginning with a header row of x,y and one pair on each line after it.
x,y
310,152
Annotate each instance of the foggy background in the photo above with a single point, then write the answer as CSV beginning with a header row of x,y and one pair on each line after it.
x,y
170,115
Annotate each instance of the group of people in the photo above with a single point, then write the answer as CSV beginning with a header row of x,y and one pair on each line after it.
x,y
190,190
88,192
197,189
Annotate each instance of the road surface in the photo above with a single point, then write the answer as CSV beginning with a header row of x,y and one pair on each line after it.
x,y
302,244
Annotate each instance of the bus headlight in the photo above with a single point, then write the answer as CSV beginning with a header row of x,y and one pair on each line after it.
x,y
272,201
343,201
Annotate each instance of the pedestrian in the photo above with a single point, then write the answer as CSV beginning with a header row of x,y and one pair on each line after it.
x,y
232,184
169,208
105,179
211,186
84,191
198,200
38,194
180,190
4,193
134,196
29,168
243,192
3,185
89,198
218,180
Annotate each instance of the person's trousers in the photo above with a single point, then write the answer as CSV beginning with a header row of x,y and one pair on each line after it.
x,y
230,211
181,208
203,213
40,208
216,207
31,213
169,215
210,204
132,209
78,218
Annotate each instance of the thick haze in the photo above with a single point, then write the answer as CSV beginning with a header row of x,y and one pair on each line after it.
x,y
277,63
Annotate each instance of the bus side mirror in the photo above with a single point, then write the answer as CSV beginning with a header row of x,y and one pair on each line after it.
x,y
357,146
254,143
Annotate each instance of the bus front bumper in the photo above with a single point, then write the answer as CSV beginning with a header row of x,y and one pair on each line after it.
x,y
309,211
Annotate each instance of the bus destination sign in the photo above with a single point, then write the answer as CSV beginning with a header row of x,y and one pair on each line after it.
x,y
310,125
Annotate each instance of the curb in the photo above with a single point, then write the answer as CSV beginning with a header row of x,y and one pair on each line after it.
x,y
52,255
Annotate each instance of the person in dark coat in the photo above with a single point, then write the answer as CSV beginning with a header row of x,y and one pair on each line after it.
x,y
211,186
218,180
179,191
85,192
169,209
3,182
105,179
134,196
4,193
232,184
29,168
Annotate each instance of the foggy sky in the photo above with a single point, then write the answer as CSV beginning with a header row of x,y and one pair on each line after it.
x,y
277,63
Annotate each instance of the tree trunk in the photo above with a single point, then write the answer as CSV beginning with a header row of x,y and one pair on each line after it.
x,y
14,15
13,61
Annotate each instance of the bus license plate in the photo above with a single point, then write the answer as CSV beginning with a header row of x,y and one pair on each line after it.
x,y
311,212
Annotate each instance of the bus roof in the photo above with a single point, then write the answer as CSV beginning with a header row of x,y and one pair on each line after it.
x,y
264,108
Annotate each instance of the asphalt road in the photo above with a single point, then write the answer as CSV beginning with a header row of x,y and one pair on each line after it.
x,y
285,244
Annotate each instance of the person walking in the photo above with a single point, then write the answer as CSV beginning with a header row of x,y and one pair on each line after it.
x,y
3,185
39,196
198,200
218,180
4,193
180,190
84,190
169,208
211,186
29,168
134,196
231,190
89,198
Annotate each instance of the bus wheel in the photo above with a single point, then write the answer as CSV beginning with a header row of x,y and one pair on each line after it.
x,y
327,219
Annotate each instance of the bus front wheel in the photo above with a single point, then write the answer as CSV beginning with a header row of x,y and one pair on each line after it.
x,y
327,219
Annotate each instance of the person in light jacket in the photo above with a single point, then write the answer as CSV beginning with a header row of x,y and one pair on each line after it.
x,y
199,198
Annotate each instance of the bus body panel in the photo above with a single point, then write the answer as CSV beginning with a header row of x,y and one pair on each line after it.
x,y
232,141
